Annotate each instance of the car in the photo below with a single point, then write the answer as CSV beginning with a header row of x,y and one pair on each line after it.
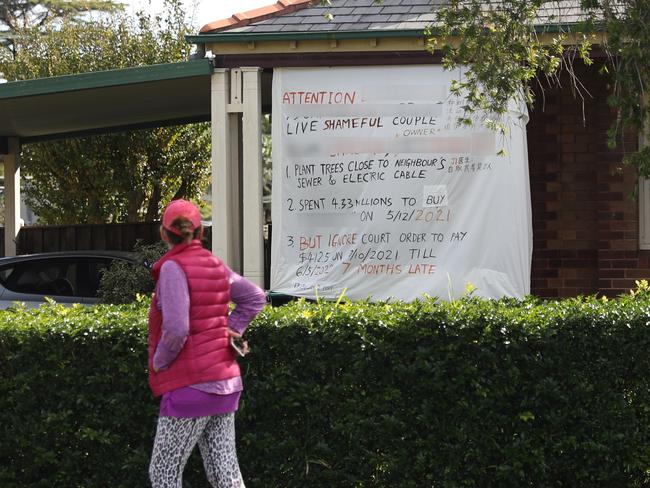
x,y
66,277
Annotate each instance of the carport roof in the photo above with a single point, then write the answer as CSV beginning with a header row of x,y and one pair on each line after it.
x,y
106,101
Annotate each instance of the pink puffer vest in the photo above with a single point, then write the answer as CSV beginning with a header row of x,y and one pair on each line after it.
x,y
206,355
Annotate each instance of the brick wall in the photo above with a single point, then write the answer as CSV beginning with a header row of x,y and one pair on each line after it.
x,y
585,224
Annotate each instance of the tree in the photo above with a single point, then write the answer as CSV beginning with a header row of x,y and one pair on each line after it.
x,y
16,15
114,177
506,55
267,150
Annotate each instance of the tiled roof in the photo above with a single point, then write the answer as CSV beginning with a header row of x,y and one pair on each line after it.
x,y
301,16
282,7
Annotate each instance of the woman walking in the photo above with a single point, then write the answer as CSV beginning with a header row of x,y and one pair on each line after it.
x,y
192,363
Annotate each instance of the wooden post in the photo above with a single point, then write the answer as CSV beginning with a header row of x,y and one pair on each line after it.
x,y
225,173
253,176
12,195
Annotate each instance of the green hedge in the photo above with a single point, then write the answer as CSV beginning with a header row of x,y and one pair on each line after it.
x,y
466,394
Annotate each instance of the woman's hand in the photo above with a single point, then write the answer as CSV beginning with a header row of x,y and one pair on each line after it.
x,y
233,334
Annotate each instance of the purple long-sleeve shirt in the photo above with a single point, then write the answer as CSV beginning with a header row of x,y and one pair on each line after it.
x,y
173,299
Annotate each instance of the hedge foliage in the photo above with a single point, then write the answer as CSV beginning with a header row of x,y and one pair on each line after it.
x,y
471,393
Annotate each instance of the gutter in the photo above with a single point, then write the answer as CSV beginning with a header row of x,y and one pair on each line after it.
x,y
225,37
105,79
300,36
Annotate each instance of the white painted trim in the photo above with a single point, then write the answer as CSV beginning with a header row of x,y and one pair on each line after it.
x,y
252,175
12,196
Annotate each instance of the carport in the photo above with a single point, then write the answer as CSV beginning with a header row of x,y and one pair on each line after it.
x,y
152,96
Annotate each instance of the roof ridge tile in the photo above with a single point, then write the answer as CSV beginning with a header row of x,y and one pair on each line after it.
x,y
242,19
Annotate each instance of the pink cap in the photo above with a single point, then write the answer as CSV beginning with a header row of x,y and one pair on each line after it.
x,y
181,208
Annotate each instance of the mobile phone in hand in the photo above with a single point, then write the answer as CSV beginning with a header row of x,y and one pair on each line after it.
x,y
239,346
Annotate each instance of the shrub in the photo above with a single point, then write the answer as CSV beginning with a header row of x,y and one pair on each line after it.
x,y
123,282
471,393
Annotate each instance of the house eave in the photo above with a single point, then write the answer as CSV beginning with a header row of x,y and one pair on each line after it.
x,y
224,37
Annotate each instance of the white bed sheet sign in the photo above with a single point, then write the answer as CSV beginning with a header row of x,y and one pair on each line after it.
x,y
379,193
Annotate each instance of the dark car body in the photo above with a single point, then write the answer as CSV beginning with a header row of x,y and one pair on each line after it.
x,y
66,277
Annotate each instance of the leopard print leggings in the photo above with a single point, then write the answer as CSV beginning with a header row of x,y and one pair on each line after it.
x,y
175,439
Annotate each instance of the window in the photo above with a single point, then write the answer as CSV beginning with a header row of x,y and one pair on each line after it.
x,y
644,214
90,274
42,277
60,277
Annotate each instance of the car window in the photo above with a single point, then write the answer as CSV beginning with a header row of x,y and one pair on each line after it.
x,y
52,276
4,274
90,274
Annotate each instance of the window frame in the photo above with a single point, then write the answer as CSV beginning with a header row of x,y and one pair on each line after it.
x,y
644,214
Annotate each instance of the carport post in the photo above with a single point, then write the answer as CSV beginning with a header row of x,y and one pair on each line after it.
x,y
225,172
253,176
12,195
